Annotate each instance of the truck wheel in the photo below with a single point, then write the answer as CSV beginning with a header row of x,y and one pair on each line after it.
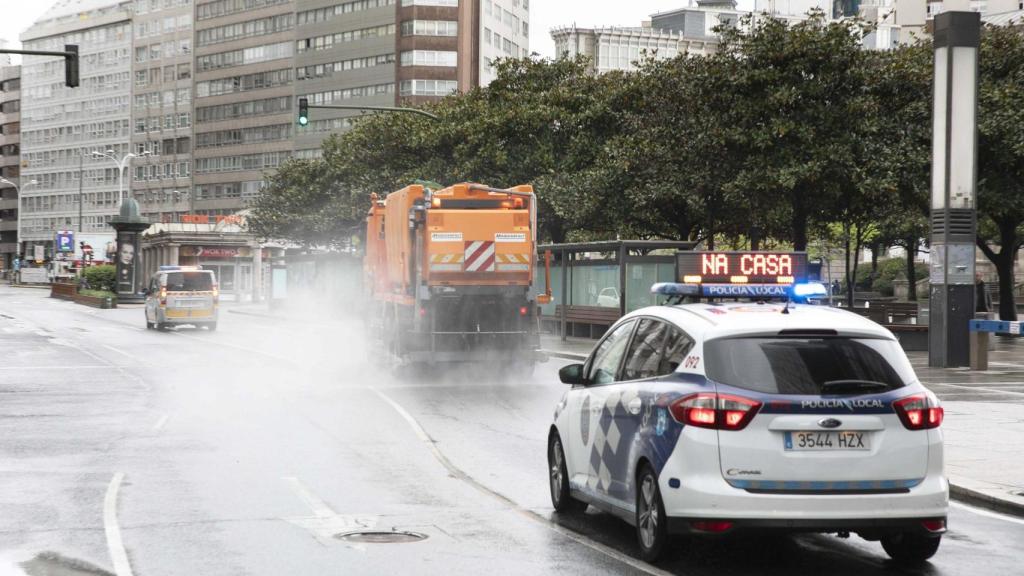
x,y
161,326
149,325
212,326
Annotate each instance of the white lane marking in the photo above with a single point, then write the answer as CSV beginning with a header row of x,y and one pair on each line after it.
x,y
988,513
115,545
319,507
238,347
160,423
526,512
36,368
119,351
326,524
979,388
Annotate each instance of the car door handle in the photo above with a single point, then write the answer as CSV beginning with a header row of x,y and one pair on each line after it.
x,y
634,406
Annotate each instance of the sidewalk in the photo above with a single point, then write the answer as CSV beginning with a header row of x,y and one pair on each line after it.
x,y
984,438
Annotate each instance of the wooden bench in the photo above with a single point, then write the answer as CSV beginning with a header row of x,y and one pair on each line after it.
x,y
584,321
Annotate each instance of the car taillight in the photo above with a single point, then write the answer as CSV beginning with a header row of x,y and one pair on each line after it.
x,y
719,411
523,310
163,296
918,412
716,526
216,293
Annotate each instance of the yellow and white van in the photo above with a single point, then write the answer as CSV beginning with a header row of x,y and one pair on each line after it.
x,y
179,295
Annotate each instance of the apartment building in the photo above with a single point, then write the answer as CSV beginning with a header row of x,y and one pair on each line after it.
x,y
202,93
162,53
61,127
344,54
10,141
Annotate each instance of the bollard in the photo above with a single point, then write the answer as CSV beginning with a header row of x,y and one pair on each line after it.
x,y
979,350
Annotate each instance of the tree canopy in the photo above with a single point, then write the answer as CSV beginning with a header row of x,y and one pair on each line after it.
x,y
787,131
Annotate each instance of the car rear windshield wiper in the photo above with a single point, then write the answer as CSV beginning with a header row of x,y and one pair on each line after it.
x,y
841,386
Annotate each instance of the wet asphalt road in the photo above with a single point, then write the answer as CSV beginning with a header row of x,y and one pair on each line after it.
x,y
247,450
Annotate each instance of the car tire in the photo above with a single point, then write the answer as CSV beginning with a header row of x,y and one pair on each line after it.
x,y
558,479
149,325
651,523
161,326
911,548
211,326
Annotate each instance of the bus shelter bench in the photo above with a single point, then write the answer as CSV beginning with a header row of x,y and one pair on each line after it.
x,y
582,320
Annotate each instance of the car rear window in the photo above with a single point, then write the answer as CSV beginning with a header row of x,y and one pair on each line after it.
x,y
802,365
189,281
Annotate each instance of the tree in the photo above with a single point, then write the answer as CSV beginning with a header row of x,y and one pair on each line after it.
x,y
900,162
796,91
1001,155
303,203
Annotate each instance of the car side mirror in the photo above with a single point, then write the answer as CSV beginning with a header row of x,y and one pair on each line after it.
x,y
572,374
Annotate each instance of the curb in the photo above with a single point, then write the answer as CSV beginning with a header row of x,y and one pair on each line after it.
x,y
956,492
565,355
987,501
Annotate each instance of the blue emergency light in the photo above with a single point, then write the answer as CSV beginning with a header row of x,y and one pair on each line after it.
x,y
796,292
675,289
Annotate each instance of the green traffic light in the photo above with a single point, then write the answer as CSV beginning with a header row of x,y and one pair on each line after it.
x,y
303,120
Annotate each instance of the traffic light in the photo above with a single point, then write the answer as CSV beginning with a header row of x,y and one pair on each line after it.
x,y
303,111
71,66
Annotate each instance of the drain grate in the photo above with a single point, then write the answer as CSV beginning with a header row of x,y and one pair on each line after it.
x,y
380,537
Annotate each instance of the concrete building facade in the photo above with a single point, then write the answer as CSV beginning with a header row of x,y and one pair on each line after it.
x,y
61,127
204,92
10,143
162,53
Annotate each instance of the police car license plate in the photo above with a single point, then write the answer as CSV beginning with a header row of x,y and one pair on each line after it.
x,y
844,440
188,303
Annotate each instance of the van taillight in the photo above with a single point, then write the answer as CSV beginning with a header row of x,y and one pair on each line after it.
x,y
216,293
163,295
718,411
919,412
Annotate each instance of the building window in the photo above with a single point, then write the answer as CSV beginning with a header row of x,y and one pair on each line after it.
x,y
428,87
454,3
429,58
430,28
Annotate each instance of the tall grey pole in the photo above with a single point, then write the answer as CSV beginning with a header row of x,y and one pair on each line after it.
x,y
954,175
81,158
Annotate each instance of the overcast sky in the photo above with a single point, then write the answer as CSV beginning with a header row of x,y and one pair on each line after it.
x,y
17,15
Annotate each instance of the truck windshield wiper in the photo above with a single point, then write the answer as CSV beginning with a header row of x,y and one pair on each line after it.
x,y
840,386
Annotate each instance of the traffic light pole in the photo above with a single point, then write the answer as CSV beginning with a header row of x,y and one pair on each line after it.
x,y
356,107
70,56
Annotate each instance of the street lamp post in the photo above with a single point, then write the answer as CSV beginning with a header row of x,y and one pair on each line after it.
x,y
954,174
121,165
18,189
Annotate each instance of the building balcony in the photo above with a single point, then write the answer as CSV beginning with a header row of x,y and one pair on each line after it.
x,y
8,225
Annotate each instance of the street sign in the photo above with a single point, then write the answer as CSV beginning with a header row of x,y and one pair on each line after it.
x,y
741,267
65,241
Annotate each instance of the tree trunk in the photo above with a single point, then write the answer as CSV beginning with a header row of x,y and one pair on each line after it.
x,y
911,248
1004,262
858,244
875,249
1005,265
846,267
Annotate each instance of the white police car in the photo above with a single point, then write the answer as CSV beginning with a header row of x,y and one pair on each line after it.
x,y
714,417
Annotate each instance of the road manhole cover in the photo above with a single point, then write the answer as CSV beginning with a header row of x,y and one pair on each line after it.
x,y
381,537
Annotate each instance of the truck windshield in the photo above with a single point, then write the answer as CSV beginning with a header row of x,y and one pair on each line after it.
x,y
189,281
800,365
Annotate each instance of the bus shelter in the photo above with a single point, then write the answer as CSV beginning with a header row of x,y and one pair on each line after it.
x,y
593,284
